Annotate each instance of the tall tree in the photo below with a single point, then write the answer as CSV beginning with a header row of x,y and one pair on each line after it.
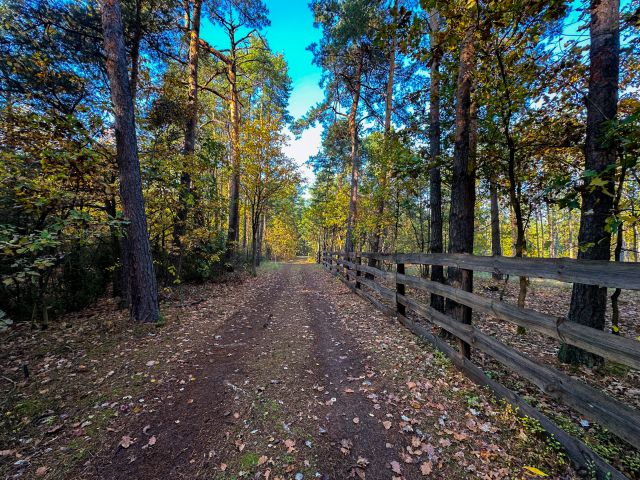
x,y
461,216
588,302
435,177
191,126
144,295
496,246
388,111
233,16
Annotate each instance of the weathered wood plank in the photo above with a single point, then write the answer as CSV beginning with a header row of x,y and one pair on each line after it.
x,y
580,454
384,292
618,418
625,275
613,347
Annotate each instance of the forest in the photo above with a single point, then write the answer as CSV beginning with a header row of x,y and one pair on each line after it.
x,y
145,154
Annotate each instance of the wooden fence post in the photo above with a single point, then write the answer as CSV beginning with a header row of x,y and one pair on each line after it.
x,y
358,261
401,309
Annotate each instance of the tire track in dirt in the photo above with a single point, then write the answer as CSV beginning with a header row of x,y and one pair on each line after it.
x,y
344,366
201,409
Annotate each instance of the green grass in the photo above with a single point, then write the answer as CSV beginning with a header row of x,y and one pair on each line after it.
x,y
269,266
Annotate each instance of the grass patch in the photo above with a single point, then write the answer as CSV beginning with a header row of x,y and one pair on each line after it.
x,y
269,266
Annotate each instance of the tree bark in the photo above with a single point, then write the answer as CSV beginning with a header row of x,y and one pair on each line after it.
x,y
461,216
588,302
617,253
355,156
496,247
135,49
435,177
186,190
234,183
551,229
375,247
144,294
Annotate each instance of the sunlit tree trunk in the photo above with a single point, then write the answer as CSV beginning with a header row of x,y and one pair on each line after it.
x,y
191,125
234,183
377,237
588,302
355,155
144,295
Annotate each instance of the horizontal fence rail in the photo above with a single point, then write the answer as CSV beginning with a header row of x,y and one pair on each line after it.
x,y
624,275
611,414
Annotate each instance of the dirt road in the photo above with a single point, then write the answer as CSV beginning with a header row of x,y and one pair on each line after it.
x,y
306,380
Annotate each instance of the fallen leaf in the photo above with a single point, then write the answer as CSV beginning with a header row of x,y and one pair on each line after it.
x,y
356,420
386,424
290,444
395,467
262,460
126,441
345,445
426,468
536,471
152,440
223,466
41,471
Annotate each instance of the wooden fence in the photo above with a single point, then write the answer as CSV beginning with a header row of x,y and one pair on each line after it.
x,y
608,412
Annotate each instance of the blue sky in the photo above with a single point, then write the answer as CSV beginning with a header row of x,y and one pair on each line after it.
x,y
290,33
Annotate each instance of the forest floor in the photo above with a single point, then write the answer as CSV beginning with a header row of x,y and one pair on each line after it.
x,y
285,375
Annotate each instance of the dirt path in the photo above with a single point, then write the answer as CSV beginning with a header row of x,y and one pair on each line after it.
x,y
305,380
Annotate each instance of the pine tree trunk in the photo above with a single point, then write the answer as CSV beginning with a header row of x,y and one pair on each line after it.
x,y
188,150
355,156
234,183
570,228
377,236
588,302
461,216
496,247
144,294
135,50
551,228
435,178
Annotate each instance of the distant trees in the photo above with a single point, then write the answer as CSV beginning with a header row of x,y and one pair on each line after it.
x,y
68,236
488,116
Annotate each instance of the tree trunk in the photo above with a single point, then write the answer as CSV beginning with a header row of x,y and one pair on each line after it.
x,y
144,294
570,228
617,254
435,178
551,229
635,242
496,247
255,245
188,150
234,183
244,230
515,184
461,216
375,247
355,157
135,50
588,302
538,221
